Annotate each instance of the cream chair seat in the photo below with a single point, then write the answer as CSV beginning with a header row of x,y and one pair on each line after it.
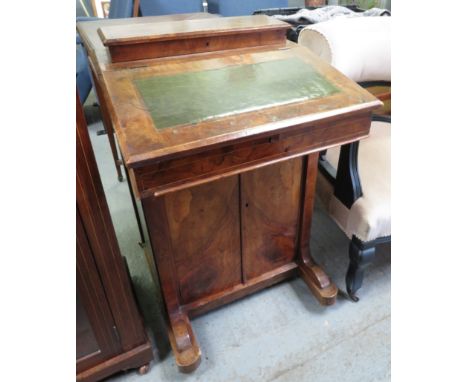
x,y
369,217
354,180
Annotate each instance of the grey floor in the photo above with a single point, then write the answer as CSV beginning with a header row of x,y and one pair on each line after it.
x,y
279,334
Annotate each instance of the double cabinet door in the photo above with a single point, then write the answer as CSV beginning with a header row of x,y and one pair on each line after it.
x,y
96,335
230,231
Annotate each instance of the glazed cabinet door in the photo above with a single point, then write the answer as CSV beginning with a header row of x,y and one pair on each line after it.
x,y
96,336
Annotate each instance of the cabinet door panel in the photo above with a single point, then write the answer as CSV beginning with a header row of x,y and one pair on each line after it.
x,y
204,237
270,204
95,337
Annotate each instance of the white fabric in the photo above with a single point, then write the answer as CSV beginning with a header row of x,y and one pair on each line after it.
x,y
357,47
321,14
370,216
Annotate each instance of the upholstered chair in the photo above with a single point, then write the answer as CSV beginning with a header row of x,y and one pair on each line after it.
x,y
354,180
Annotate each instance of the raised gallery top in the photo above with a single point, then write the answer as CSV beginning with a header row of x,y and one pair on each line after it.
x,y
170,30
166,39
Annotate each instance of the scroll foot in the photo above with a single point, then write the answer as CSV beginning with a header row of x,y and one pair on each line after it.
x,y
184,344
319,283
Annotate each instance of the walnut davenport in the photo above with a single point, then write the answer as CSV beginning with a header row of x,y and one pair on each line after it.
x,y
225,169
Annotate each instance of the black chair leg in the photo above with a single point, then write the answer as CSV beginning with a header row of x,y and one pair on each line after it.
x,y
360,257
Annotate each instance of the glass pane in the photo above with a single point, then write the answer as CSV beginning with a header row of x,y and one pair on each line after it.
x,y
85,340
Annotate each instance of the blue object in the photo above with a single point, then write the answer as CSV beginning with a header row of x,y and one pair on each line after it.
x,y
167,7
118,9
83,77
242,7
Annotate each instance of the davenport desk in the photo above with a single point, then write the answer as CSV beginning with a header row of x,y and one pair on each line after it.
x,y
220,122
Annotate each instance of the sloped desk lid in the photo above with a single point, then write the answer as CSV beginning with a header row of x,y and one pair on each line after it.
x,y
193,97
170,107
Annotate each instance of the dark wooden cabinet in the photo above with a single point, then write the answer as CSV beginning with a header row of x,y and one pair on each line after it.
x,y
110,335
96,336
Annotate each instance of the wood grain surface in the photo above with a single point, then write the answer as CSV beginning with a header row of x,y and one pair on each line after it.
x,y
178,30
270,201
204,233
167,39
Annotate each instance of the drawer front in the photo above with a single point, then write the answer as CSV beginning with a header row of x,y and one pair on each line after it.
x,y
174,174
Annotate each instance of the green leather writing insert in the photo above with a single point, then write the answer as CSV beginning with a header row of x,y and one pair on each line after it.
x,y
192,97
